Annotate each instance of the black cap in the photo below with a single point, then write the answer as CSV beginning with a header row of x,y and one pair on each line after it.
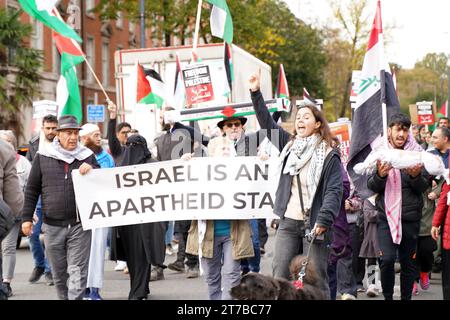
x,y
67,122
221,123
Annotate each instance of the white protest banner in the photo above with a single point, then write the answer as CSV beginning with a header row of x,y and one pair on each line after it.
x,y
202,188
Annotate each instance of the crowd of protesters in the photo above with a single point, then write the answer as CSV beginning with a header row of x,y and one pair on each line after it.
x,y
403,227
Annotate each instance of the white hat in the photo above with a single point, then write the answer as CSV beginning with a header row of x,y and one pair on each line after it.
x,y
88,128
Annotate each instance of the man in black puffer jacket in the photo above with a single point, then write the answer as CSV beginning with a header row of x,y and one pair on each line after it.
x,y
67,245
399,229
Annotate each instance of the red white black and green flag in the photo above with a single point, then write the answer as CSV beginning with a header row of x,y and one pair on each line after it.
x,y
228,62
282,85
44,11
220,20
443,111
179,92
150,87
67,90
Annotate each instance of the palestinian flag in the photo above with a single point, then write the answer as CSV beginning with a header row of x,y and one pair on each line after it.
x,y
220,20
67,90
228,65
179,92
195,58
45,11
150,87
308,97
282,86
376,87
443,111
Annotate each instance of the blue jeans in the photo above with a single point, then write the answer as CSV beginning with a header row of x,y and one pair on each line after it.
x,y
169,233
219,286
253,264
35,244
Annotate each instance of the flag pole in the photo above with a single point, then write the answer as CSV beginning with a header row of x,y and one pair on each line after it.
x,y
384,114
95,76
197,25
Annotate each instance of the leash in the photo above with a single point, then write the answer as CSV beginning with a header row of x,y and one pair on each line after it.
x,y
299,283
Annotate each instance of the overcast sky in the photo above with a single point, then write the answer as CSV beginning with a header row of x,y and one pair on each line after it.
x,y
423,26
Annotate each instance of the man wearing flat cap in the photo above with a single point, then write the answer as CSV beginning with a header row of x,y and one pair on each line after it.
x,y
66,243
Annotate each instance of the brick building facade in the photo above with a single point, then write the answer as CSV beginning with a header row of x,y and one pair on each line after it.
x,y
100,41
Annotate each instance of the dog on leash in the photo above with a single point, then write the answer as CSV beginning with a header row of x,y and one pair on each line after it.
x,y
312,284
256,286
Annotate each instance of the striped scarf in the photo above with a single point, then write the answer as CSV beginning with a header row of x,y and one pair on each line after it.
x,y
393,194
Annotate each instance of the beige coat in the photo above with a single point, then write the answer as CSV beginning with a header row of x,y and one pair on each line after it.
x,y
241,239
10,190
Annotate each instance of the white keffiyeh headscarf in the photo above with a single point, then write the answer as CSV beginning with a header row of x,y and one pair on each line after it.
x,y
56,151
312,150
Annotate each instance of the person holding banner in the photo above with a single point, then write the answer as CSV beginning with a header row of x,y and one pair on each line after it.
x,y
310,188
66,243
140,245
244,145
177,140
224,242
92,139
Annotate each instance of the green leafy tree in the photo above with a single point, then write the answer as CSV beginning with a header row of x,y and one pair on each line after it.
x,y
437,63
428,80
19,65
346,48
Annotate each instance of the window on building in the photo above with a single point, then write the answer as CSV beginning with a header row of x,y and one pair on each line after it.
x,y
56,59
131,27
105,64
90,4
90,58
37,36
119,21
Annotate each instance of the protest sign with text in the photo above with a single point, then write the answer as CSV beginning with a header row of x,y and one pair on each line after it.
x,y
342,131
198,83
202,188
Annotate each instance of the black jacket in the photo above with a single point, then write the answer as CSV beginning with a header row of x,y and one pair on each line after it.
x,y
412,189
52,179
115,147
173,144
327,199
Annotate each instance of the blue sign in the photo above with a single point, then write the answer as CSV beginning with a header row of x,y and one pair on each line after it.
x,y
95,113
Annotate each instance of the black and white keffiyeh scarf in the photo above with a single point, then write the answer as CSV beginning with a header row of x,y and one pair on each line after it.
x,y
301,151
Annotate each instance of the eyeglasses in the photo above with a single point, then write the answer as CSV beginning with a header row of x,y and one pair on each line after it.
x,y
233,124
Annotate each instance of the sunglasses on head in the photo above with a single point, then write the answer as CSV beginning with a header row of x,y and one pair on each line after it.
x,y
235,124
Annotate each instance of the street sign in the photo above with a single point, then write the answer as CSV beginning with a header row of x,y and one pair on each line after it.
x,y
95,113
